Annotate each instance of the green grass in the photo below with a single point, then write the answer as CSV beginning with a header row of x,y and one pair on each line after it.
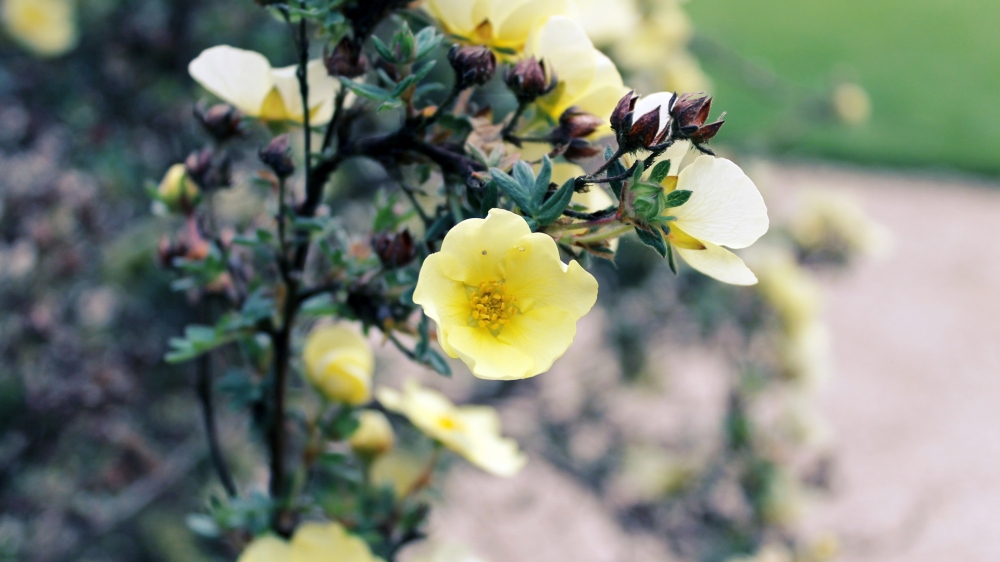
x,y
932,68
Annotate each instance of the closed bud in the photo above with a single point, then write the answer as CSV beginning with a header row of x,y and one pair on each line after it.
x,y
575,123
177,190
581,149
690,114
642,122
277,156
208,169
346,59
474,65
528,81
221,121
394,250
374,435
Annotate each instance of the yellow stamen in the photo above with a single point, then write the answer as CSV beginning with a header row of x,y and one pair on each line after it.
x,y
490,306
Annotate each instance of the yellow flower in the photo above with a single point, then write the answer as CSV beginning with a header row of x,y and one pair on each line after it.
x,y
246,80
312,542
789,289
374,435
46,27
502,25
339,363
176,188
470,431
503,300
836,224
399,469
606,23
852,104
587,78
725,209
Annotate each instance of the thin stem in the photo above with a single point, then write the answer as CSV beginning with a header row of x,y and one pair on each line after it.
x,y
452,96
204,384
338,108
603,234
302,74
596,223
416,205
508,129
282,240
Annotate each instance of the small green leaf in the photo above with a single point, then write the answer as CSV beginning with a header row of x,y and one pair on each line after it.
x,y
541,186
660,171
383,50
490,198
615,169
524,175
427,39
677,197
555,205
671,258
434,360
368,91
517,193
653,240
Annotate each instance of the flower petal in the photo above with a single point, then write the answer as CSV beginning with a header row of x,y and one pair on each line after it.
x,y
487,356
567,51
479,245
514,20
267,548
719,263
536,275
486,448
441,289
322,89
237,76
318,542
676,154
543,334
455,16
604,91
725,207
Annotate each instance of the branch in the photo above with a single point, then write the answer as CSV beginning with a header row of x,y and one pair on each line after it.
x,y
204,387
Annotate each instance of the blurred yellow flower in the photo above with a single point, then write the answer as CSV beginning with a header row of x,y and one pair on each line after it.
x,y
246,80
339,363
789,289
606,23
399,469
852,104
835,224
312,542
725,209
177,189
587,78
374,435
502,25
503,300
46,27
470,431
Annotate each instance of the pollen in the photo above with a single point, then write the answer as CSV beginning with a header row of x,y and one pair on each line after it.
x,y
491,306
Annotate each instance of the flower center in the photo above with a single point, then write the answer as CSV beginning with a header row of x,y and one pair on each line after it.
x,y
447,423
491,306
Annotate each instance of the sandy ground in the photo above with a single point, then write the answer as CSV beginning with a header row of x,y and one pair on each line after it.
x,y
913,403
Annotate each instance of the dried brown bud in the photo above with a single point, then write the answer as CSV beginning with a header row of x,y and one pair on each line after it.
x,y
690,113
527,80
394,250
208,169
575,123
642,122
474,66
621,117
277,156
221,121
347,59
581,149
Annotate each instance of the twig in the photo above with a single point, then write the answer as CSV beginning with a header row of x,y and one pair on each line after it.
x,y
204,387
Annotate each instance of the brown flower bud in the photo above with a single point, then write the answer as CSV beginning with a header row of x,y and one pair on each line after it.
x,y
346,59
689,116
575,123
277,156
474,66
581,149
394,250
642,122
527,80
221,121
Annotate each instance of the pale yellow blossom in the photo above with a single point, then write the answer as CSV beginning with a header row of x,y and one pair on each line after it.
x,y
502,25
788,288
470,431
339,363
503,300
852,104
725,209
607,22
312,542
374,434
176,188
401,470
835,224
246,80
46,27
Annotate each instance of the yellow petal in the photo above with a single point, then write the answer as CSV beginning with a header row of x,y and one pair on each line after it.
x,y
321,542
604,92
537,276
239,77
485,447
605,24
488,357
46,27
719,263
268,548
455,16
543,334
339,363
564,47
676,154
441,288
514,20
725,207
322,90
480,244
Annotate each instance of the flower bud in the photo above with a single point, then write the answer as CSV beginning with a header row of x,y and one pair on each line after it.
x,y
277,156
346,60
474,66
527,80
576,123
642,122
221,121
690,113
207,170
177,190
394,250
374,435
339,364
581,149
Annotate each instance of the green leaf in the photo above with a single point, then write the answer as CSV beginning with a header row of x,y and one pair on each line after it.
x,y
427,39
677,197
671,258
554,207
491,196
524,175
368,91
434,360
615,169
541,186
383,50
520,195
653,240
660,171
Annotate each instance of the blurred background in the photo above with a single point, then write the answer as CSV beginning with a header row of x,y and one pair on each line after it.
x,y
844,409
